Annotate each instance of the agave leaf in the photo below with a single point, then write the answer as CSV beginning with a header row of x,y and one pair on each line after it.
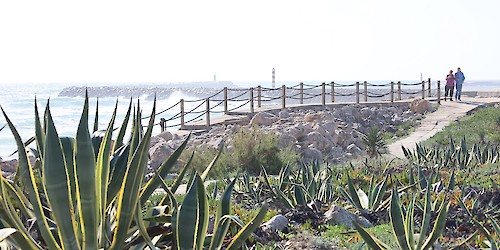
x,y
363,199
188,217
182,173
123,128
32,189
9,216
57,187
6,232
128,197
299,195
85,177
246,231
163,170
96,118
39,131
223,208
142,228
119,165
369,239
379,194
439,226
101,172
353,193
426,216
397,221
205,173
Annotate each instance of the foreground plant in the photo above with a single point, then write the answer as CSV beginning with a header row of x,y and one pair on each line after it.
x,y
403,227
92,192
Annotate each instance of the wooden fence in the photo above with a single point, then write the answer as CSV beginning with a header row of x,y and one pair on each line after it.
x,y
230,101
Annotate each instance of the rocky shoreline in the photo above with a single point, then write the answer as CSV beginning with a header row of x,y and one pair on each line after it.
x,y
331,133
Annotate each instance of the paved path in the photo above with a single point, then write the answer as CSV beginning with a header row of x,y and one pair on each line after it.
x,y
434,122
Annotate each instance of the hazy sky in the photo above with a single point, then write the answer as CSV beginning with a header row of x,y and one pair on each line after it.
x,y
183,41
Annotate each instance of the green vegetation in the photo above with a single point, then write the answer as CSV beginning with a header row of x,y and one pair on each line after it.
x,y
481,127
96,197
375,142
249,152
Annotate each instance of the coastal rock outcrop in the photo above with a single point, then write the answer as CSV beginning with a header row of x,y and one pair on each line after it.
x,y
330,133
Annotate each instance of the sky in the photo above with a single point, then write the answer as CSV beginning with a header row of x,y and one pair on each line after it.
x,y
186,41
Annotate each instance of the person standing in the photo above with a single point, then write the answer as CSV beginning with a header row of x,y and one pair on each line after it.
x,y
450,84
459,78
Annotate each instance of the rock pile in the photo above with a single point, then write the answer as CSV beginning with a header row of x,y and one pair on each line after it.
x,y
331,133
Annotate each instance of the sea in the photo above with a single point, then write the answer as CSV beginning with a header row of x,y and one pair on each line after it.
x,y
18,102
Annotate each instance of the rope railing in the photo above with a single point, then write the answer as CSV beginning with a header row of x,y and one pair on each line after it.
x,y
246,98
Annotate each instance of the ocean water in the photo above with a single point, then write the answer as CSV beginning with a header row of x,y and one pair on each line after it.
x,y
18,103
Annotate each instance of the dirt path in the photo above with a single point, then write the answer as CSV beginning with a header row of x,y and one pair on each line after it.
x,y
436,121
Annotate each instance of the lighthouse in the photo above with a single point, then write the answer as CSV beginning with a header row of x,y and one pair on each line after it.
x,y
273,78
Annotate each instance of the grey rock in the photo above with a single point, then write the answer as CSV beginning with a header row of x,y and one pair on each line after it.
x,y
339,216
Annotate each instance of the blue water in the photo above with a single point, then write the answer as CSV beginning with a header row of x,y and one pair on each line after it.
x,y
18,103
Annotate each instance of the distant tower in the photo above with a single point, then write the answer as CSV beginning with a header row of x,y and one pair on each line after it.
x,y
215,77
273,78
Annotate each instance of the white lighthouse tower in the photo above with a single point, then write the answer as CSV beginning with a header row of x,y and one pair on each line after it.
x,y
273,79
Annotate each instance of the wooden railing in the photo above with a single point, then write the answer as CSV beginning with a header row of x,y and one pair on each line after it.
x,y
230,101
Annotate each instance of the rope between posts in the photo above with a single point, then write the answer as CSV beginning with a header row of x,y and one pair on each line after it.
x,y
234,98
195,118
163,111
233,109
192,110
344,85
381,94
214,95
237,90
269,89
342,94
311,85
411,93
411,84
378,85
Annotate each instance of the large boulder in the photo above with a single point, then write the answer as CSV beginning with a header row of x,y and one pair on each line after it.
x,y
339,216
312,117
263,119
158,153
276,224
421,106
167,136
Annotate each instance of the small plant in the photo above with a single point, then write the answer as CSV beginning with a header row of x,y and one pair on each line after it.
x,y
374,142
403,224
359,199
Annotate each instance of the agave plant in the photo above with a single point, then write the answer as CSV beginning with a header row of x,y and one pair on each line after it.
x,y
403,224
373,201
92,192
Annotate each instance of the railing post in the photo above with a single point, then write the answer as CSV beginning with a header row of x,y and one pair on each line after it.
x,y
333,92
399,90
357,92
423,90
181,104
208,112
429,88
283,96
258,96
392,91
225,101
251,101
323,97
439,91
301,93
365,86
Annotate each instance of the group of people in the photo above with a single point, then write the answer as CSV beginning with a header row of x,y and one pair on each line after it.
x,y
454,81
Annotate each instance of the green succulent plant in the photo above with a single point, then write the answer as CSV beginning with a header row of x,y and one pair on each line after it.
x,y
93,193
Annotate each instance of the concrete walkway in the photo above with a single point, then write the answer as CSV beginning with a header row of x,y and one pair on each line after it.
x,y
434,122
